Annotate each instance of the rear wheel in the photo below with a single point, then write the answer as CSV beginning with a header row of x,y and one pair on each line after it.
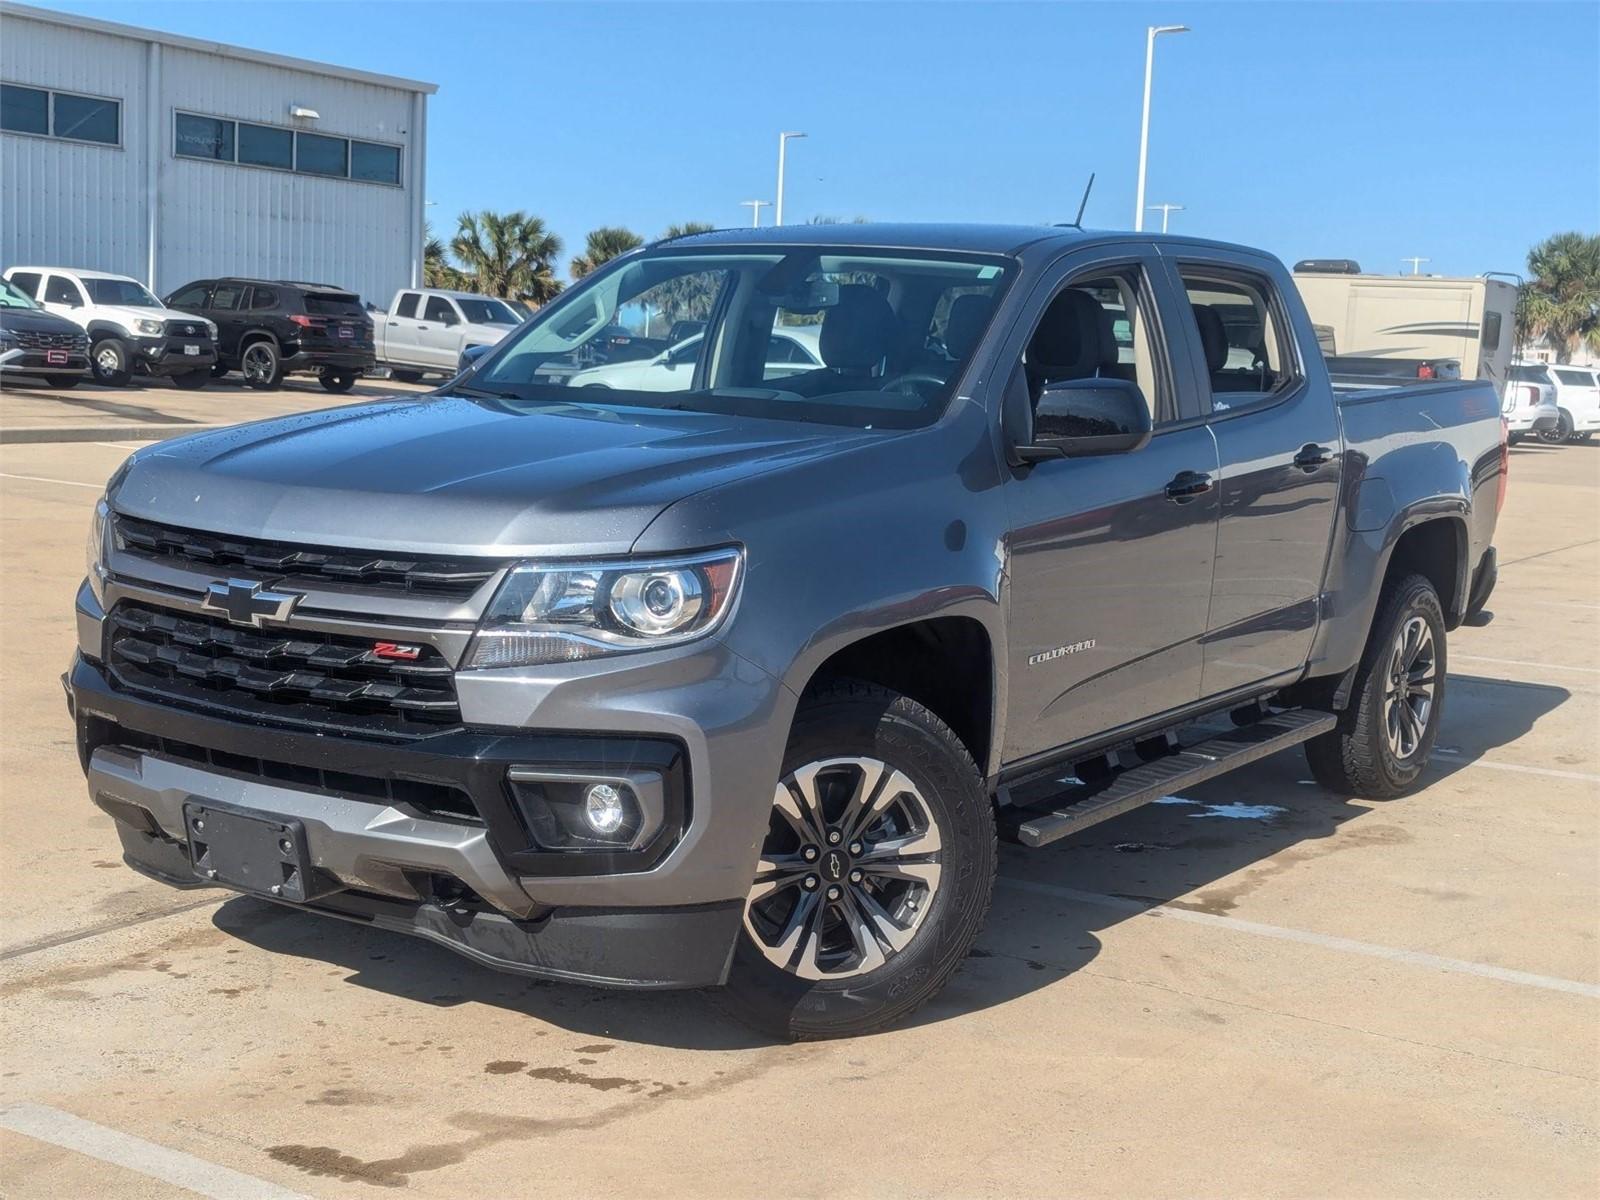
x,y
1382,742
190,380
875,873
261,366
108,359
1561,432
62,382
340,381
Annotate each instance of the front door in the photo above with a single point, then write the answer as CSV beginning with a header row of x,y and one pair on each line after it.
x,y
1109,557
438,340
229,312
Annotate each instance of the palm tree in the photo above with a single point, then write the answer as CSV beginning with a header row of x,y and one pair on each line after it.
x,y
1561,301
683,297
436,269
511,255
687,229
601,246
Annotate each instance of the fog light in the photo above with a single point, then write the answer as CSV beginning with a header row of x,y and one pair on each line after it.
x,y
603,809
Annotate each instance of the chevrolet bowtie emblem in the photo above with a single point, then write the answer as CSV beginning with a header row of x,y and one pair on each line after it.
x,y
248,602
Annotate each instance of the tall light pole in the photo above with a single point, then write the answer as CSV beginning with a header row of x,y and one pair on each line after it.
x,y
1416,263
783,143
1150,36
755,207
1164,210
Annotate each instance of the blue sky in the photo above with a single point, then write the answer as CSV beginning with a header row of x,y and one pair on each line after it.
x,y
1459,132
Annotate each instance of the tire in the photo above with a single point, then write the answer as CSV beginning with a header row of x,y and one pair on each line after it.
x,y
1581,438
1562,431
400,376
219,370
108,359
341,381
192,380
63,383
929,905
261,366
1367,755
1513,438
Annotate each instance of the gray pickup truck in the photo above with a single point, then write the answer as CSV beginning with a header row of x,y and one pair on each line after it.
x,y
734,682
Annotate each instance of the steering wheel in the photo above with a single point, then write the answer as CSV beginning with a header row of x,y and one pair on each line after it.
x,y
924,384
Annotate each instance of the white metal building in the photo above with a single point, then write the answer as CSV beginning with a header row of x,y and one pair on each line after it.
x,y
170,159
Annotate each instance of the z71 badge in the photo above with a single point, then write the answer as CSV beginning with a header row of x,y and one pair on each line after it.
x,y
1060,652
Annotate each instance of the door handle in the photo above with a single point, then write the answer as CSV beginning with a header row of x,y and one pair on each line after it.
x,y
1187,485
1312,456
422,328
394,322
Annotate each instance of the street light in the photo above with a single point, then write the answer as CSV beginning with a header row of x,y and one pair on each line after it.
x,y
1164,210
783,143
755,207
1151,34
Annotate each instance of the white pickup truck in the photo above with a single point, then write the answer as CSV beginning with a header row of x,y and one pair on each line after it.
x,y
428,329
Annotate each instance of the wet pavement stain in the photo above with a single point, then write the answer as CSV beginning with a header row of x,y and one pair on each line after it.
x,y
504,1066
596,1048
600,1083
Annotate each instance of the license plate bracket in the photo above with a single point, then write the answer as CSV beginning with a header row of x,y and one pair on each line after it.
x,y
55,358
259,852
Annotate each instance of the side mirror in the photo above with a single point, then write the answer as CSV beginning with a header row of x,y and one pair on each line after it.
x,y
1080,417
681,353
450,319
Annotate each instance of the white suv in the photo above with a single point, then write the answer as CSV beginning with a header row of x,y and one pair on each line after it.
x,y
1528,401
130,331
1577,402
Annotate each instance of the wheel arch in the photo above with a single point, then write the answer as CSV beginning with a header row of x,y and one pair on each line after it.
x,y
1437,549
103,329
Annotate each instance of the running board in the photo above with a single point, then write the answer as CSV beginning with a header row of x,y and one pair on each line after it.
x,y
1090,803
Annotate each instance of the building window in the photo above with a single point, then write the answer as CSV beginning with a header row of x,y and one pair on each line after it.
x,y
63,115
377,164
204,137
263,146
318,155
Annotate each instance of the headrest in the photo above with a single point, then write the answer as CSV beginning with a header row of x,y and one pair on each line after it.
x,y
964,324
859,330
1213,337
1074,338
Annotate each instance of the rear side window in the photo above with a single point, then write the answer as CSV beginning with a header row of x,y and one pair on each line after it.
x,y
407,306
333,304
26,282
263,299
62,291
1248,355
1575,378
229,297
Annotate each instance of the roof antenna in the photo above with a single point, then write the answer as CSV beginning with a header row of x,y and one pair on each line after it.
x,y
1077,222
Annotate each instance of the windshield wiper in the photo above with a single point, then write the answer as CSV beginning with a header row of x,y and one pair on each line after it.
x,y
466,389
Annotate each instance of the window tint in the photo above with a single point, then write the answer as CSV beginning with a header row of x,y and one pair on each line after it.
x,y
1530,373
1077,338
87,119
58,290
26,282
438,310
487,312
193,296
1575,378
334,304
1246,354
123,292
229,297
261,146
379,164
24,109
203,137
318,155
1490,337
407,306
263,299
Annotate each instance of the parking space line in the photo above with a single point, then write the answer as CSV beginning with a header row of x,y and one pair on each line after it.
x,y
174,1167
1415,958
1490,764
1522,662
44,479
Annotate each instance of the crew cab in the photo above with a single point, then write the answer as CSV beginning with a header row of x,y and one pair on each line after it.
x,y
734,685
267,329
428,329
130,332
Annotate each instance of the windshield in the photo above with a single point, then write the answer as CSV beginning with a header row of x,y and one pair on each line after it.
x,y
841,336
10,297
487,312
124,292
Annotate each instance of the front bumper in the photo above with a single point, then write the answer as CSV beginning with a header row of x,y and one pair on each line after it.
x,y
36,363
167,356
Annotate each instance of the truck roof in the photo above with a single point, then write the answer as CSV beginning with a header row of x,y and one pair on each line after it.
x,y
79,272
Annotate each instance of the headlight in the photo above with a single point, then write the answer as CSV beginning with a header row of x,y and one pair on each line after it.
x,y
149,328
211,328
94,551
7,338
567,612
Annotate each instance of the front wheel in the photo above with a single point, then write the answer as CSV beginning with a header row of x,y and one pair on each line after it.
x,y
341,381
875,873
108,358
1382,742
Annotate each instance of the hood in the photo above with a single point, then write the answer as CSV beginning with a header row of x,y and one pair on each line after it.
x,y
36,320
450,475
128,313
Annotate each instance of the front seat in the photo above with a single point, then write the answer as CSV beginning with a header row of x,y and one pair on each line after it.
x,y
1074,340
858,333
964,324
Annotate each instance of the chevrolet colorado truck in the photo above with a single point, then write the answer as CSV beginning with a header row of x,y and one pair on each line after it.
x,y
735,685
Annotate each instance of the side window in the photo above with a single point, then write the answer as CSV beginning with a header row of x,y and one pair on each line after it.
x,y
263,299
1490,339
26,282
1098,326
60,290
229,297
193,296
407,306
439,310
1248,356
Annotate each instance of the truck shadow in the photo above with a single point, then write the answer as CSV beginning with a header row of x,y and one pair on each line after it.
x,y
1205,851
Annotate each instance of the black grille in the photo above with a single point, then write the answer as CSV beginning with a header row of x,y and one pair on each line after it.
x,y
188,329
291,676
32,339
457,578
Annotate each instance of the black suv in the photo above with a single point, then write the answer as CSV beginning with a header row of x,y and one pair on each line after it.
x,y
268,328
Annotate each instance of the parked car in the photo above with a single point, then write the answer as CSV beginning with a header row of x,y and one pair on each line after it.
x,y
37,344
427,329
130,331
735,684
789,352
1577,396
1528,401
271,328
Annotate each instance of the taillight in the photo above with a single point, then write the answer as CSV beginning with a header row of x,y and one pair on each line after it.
x,y
1530,395
301,320
1425,371
1505,465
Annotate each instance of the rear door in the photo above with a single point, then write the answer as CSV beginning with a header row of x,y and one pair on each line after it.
x,y
1278,442
438,338
1109,557
400,331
